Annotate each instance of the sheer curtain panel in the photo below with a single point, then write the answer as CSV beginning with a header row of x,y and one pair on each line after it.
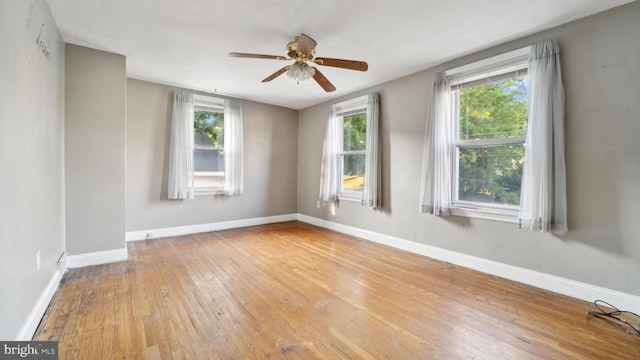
x,y
543,202
435,189
233,148
181,147
372,189
330,168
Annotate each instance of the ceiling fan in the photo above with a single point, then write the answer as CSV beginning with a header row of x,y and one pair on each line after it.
x,y
303,51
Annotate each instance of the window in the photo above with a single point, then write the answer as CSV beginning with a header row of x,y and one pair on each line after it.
x,y
351,154
489,118
208,149
495,150
353,127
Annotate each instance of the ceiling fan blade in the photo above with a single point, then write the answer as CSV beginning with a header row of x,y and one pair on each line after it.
x,y
258,56
341,63
276,74
306,44
323,81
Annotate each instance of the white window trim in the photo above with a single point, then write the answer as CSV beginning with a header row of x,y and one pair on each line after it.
x,y
347,108
212,104
498,63
210,173
208,102
506,214
209,148
351,196
208,191
514,61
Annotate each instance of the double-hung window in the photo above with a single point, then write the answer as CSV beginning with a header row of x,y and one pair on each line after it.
x,y
494,141
351,154
208,149
489,112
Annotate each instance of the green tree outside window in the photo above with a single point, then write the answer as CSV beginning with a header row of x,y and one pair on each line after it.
x,y
211,124
490,111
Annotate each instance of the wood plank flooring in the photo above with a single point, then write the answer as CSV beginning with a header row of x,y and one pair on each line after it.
x,y
295,291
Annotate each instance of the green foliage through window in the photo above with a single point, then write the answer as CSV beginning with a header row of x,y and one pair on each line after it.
x,y
211,124
354,131
492,173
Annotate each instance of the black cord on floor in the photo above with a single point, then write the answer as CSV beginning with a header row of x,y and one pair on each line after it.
x,y
615,317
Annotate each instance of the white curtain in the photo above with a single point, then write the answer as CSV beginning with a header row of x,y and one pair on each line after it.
x,y
233,148
372,190
435,190
330,168
543,202
181,147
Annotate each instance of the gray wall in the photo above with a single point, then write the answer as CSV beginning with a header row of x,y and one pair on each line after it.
x,y
601,74
31,157
95,128
270,164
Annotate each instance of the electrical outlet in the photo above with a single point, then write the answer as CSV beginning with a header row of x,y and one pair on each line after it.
x,y
318,204
38,260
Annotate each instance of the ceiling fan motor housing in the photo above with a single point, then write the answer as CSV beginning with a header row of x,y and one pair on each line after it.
x,y
292,51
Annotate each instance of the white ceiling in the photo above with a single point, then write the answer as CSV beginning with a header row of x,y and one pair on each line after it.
x,y
185,43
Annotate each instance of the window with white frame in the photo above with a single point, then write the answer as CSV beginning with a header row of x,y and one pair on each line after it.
x,y
489,103
352,120
208,152
351,153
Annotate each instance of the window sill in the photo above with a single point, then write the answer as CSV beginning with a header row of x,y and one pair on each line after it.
x,y
208,191
486,213
356,197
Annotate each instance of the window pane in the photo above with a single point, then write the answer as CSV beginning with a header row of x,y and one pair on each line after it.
x,y
208,153
353,172
491,174
210,124
208,159
494,110
208,165
354,132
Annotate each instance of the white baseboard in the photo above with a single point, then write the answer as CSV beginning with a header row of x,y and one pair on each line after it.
x,y
574,289
200,228
97,258
30,326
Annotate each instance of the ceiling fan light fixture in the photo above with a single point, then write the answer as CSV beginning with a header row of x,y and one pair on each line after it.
x,y
300,72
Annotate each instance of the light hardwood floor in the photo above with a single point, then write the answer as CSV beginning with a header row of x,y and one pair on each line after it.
x,y
295,291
